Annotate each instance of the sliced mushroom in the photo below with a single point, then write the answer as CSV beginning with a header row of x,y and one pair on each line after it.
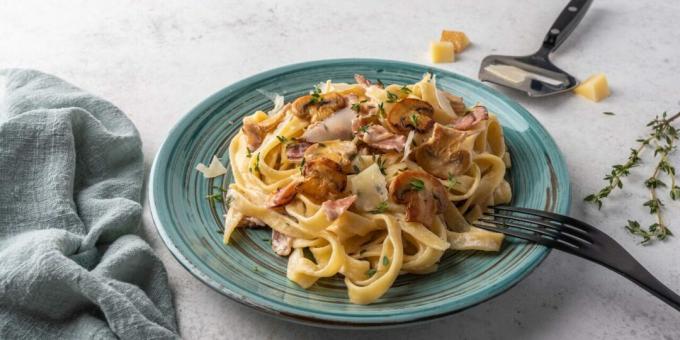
x,y
442,154
323,180
315,108
423,195
341,152
410,114
476,115
255,128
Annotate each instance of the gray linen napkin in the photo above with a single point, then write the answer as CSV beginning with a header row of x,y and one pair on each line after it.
x,y
71,172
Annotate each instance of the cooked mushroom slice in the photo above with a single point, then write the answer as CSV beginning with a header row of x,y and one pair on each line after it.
x,y
341,152
315,108
423,195
409,114
256,127
442,155
323,180
475,116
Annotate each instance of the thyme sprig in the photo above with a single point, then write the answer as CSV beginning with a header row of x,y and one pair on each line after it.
x,y
662,139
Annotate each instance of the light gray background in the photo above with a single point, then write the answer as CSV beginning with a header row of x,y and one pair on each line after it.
x,y
157,59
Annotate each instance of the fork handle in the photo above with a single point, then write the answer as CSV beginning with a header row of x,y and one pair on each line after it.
x,y
643,278
565,24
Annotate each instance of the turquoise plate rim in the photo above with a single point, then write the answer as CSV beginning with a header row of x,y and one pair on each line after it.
x,y
563,205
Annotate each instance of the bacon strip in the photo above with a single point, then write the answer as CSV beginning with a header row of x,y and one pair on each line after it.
x,y
466,122
283,196
377,136
334,208
251,222
295,151
282,244
361,80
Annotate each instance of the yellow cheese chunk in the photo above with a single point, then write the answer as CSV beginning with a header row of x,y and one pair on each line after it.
x,y
442,52
594,88
459,39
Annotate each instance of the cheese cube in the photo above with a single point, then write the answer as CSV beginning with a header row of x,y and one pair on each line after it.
x,y
594,88
442,52
459,39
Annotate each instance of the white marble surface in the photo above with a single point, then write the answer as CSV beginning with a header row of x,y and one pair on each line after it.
x,y
157,59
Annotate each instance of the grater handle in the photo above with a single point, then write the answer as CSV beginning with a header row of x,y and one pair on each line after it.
x,y
565,24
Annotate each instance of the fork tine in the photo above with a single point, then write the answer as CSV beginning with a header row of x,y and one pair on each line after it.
x,y
502,224
566,238
562,228
572,222
525,236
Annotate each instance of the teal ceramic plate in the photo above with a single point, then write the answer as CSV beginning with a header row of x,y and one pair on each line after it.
x,y
247,270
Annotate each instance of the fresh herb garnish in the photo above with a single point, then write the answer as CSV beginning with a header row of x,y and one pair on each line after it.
x,y
417,184
662,139
391,97
380,208
609,113
302,165
385,261
381,110
356,107
451,181
381,165
256,167
371,272
316,96
282,139
248,154
364,129
414,119
405,89
379,83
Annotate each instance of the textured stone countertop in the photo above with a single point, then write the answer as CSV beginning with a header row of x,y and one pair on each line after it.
x,y
157,59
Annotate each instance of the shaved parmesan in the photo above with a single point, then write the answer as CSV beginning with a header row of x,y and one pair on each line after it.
x,y
276,98
370,187
215,169
441,99
408,144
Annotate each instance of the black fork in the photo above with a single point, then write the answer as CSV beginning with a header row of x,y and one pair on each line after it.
x,y
577,238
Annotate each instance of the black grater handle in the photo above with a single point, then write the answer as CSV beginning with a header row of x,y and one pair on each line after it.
x,y
565,24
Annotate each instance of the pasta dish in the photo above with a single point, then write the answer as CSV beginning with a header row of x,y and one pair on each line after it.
x,y
368,181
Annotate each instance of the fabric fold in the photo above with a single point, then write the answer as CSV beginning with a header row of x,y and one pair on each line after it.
x,y
71,173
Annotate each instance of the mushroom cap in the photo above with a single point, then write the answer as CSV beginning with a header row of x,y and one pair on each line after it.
x,y
442,154
323,180
315,109
341,152
409,114
423,195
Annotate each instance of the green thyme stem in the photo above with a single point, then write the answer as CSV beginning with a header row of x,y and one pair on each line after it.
x,y
662,140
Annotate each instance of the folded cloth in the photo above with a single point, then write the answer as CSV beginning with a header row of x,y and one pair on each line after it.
x,y
71,172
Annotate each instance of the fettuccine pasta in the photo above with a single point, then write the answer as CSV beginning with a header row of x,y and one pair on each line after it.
x,y
368,181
